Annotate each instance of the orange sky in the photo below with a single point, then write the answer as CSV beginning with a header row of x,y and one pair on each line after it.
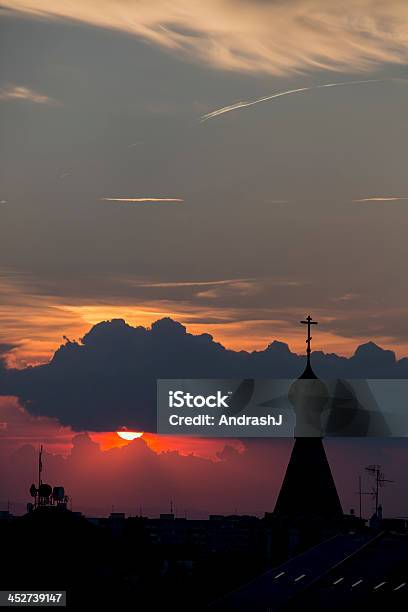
x,y
37,324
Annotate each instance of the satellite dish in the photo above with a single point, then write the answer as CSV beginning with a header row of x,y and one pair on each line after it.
x,y
44,490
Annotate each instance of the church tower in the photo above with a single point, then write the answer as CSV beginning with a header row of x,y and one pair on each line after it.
x,y
308,488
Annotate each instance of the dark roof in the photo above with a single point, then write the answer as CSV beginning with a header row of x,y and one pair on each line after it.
x,y
308,488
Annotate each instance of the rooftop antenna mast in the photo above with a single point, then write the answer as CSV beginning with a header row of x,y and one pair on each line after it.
x,y
360,493
40,466
379,481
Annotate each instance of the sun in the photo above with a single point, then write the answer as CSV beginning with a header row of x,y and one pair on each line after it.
x,y
130,435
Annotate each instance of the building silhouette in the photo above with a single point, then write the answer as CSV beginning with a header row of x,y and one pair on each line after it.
x,y
308,488
306,554
333,561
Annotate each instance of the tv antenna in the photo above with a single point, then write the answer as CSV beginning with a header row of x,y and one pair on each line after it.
x,y
44,494
379,482
40,466
360,493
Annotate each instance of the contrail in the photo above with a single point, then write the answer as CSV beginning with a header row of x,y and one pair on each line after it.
x,y
141,200
245,104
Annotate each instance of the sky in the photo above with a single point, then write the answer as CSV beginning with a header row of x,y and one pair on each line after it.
x,y
102,101
118,201
99,471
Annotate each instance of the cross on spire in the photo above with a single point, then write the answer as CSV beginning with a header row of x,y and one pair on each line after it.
x,y
309,321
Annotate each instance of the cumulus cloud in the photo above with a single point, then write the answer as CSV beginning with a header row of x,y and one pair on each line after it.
x,y
19,92
274,37
109,379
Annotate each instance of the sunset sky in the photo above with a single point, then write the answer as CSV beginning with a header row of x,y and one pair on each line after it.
x,y
117,200
103,100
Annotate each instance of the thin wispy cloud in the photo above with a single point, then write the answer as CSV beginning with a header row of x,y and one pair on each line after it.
x,y
19,92
246,104
142,200
346,297
247,36
176,284
382,199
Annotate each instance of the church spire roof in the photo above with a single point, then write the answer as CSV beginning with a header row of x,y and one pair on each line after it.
x,y
308,488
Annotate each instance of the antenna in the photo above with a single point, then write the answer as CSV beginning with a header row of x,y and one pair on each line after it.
x,y
379,481
45,495
40,466
360,493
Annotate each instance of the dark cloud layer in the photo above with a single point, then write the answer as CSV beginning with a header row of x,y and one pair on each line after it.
x,y
5,347
109,379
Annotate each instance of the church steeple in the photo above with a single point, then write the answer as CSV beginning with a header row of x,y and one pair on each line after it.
x,y
308,488
308,394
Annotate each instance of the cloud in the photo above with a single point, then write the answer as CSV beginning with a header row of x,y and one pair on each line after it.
x,y
137,475
382,199
241,313
229,282
240,105
19,92
141,200
109,379
251,36
6,347
19,427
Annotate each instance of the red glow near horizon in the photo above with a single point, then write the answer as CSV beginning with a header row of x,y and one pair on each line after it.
x,y
19,428
184,445
129,435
